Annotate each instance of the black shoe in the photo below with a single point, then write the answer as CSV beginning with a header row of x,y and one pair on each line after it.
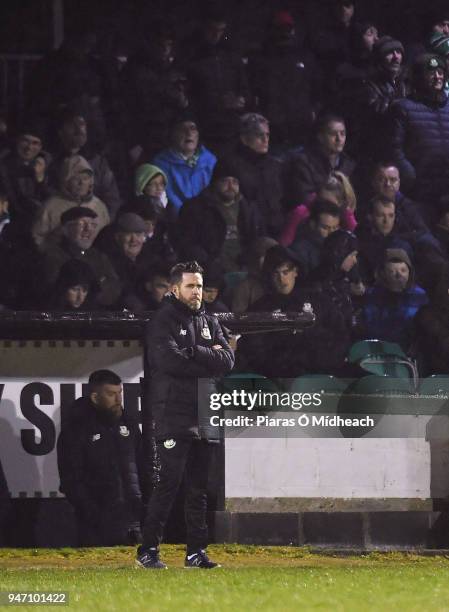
x,y
199,560
149,559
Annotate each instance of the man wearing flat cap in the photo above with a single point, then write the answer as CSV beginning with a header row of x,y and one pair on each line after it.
x,y
125,251
419,142
79,229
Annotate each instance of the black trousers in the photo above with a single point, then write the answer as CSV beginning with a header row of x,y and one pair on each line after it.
x,y
188,458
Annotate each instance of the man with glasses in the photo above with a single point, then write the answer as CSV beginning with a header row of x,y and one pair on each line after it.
x,y
79,230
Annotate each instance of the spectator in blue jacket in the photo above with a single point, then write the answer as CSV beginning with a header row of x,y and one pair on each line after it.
x,y
420,134
187,164
393,301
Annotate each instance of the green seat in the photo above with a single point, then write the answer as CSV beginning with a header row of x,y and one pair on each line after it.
x,y
363,348
388,365
383,359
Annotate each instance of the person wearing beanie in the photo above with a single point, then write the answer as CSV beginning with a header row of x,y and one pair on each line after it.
x,y
23,174
286,80
75,288
338,273
213,283
320,348
187,164
218,226
419,138
369,110
259,173
391,305
439,44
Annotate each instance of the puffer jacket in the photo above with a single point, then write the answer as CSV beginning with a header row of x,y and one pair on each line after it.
x,y
179,343
420,146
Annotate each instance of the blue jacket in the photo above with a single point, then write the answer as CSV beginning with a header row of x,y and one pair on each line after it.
x,y
388,315
185,182
420,145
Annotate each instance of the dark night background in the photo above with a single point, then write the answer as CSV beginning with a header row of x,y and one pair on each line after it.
x,y
26,25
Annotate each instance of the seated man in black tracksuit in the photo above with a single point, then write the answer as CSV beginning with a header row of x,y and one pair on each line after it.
x,y
97,458
184,344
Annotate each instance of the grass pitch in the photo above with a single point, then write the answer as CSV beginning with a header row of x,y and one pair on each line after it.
x,y
253,578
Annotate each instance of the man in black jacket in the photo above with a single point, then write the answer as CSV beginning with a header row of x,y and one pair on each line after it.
x,y
97,458
311,168
218,226
184,344
259,173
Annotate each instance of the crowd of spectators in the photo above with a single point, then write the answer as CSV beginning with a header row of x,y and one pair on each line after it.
x,y
315,170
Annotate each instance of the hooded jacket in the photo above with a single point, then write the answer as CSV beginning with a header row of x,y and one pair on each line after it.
x,y
49,217
185,181
388,315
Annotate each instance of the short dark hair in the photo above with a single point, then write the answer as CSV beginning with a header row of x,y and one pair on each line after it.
x,y
103,377
385,163
324,207
189,267
380,200
325,118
